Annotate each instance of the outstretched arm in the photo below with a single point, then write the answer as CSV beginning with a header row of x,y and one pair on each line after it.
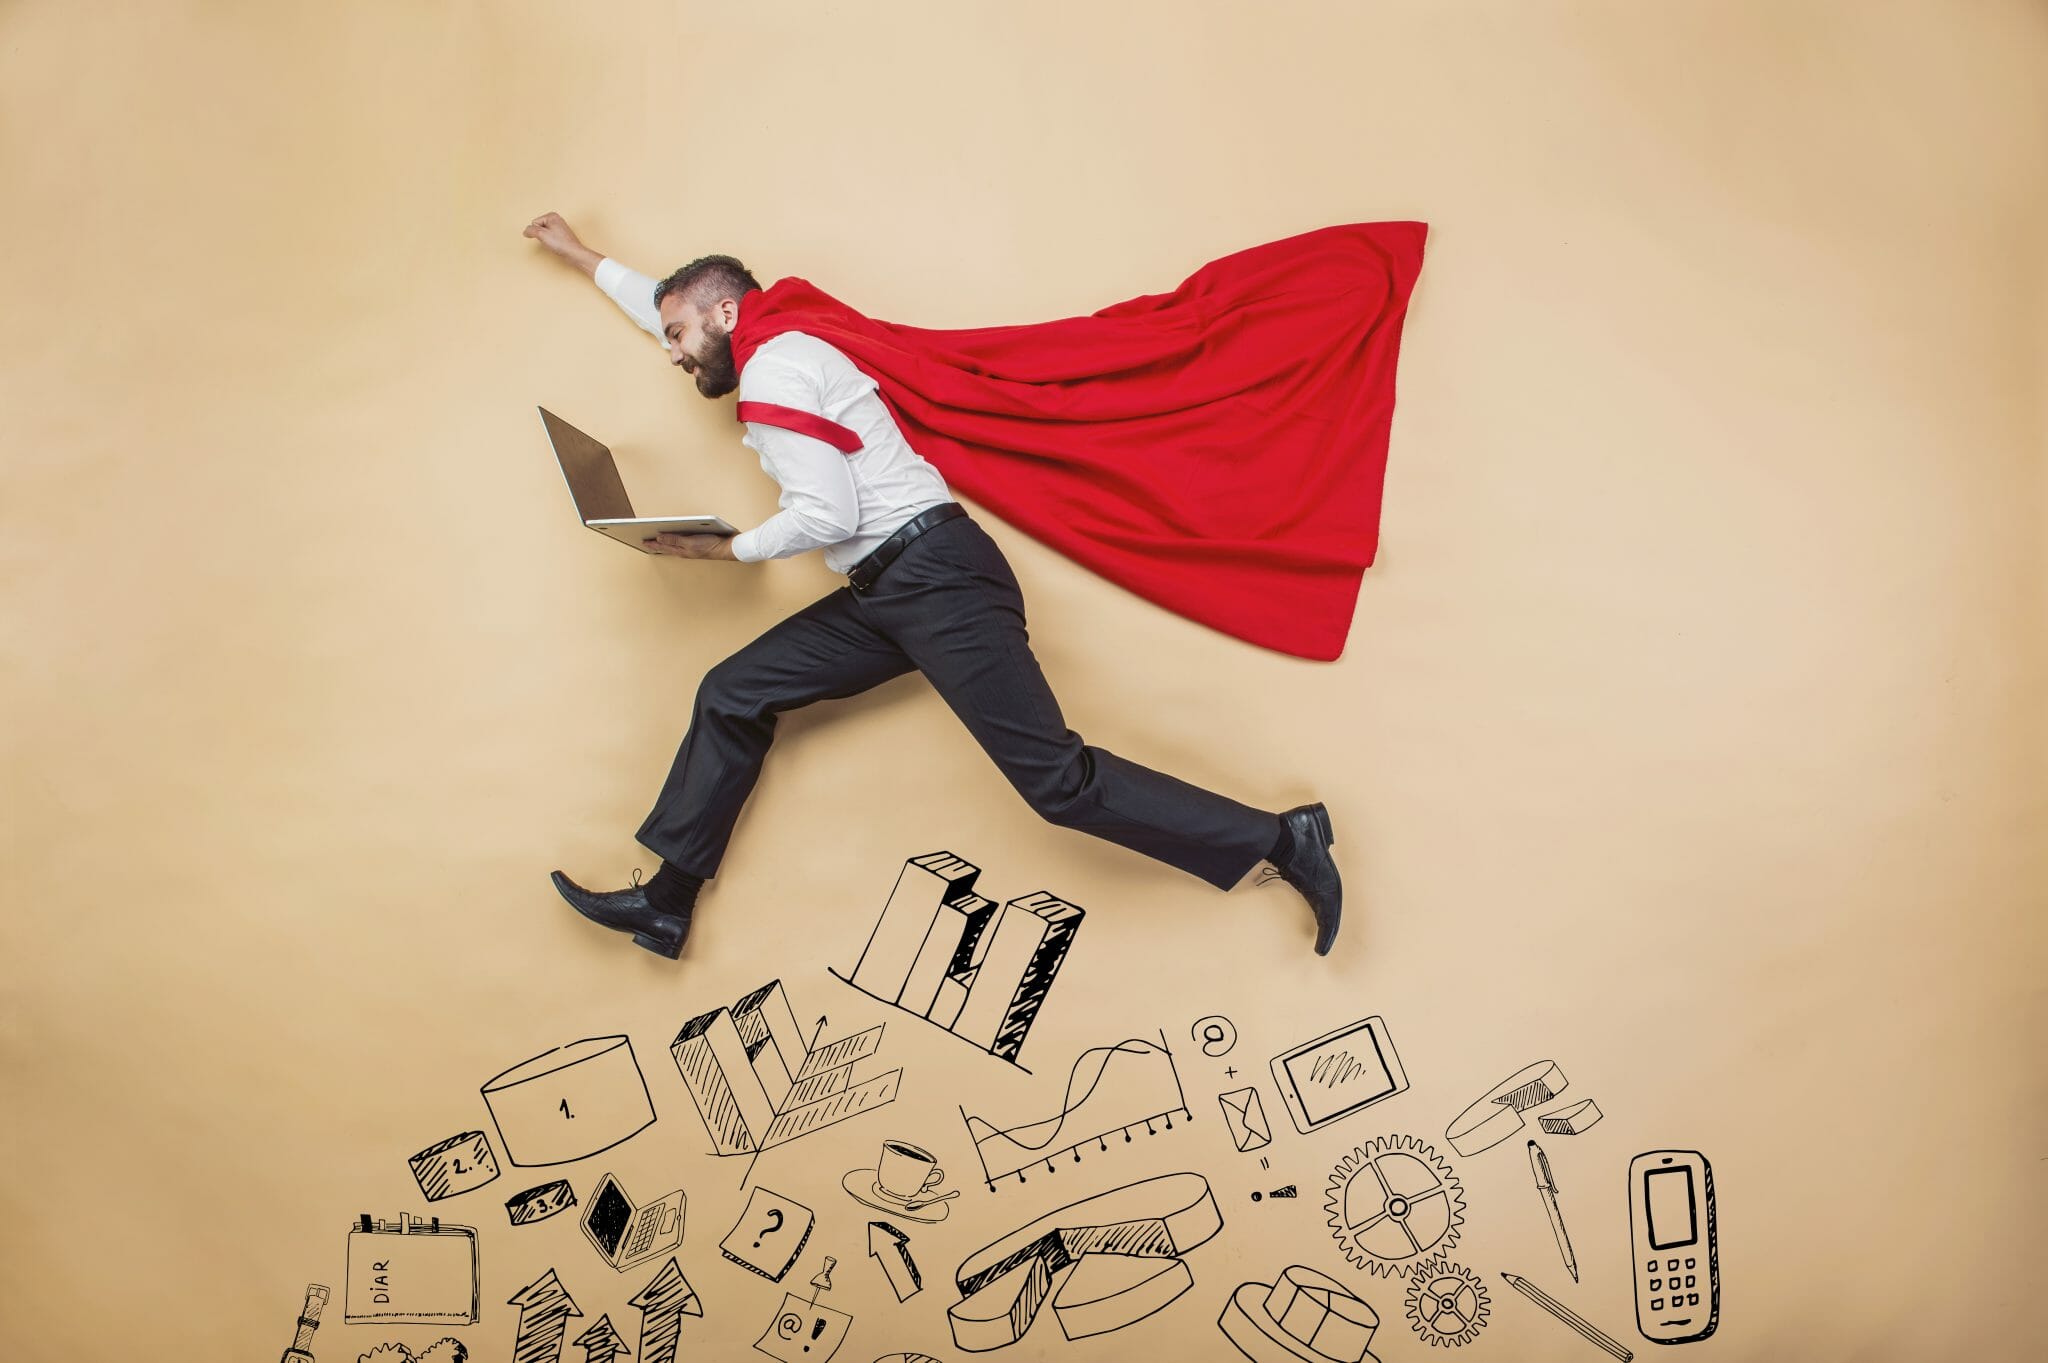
x,y
631,290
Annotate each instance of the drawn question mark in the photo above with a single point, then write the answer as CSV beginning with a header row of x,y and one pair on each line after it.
x,y
775,1215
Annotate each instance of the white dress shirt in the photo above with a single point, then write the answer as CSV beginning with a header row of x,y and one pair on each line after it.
x,y
845,504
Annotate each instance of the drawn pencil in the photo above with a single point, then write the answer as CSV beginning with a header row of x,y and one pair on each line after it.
x,y
1593,1334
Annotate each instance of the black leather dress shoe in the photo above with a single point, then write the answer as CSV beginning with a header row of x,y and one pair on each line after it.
x,y
1310,868
627,910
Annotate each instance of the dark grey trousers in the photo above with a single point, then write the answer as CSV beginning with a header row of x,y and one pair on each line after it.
x,y
950,608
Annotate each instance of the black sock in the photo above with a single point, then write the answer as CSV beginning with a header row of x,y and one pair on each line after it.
x,y
673,891
1283,846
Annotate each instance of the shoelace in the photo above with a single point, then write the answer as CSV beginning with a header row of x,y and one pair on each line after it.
x,y
1269,875
636,878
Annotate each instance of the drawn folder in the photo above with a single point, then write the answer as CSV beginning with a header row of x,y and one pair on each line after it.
x,y
411,1272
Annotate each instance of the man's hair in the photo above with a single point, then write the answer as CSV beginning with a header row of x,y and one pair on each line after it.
x,y
707,280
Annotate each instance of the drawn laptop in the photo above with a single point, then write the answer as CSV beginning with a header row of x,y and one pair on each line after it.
x,y
625,1234
601,498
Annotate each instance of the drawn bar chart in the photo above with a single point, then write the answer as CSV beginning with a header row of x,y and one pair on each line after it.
x,y
957,959
759,1081
1111,1091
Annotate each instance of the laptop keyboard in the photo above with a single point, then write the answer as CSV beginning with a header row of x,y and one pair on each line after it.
x,y
644,1233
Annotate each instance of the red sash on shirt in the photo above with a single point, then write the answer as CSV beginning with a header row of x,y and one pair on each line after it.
x,y
1220,450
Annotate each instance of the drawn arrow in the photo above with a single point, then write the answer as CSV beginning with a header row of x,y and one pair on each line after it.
x,y
601,1343
545,1307
891,1247
663,1303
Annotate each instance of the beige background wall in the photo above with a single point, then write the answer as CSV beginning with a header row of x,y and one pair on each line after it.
x,y
1689,734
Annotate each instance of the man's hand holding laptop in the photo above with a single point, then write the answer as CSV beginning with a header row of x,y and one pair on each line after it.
x,y
691,546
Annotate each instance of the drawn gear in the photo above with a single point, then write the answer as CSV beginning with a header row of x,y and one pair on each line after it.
x,y
1446,1304
1393,1205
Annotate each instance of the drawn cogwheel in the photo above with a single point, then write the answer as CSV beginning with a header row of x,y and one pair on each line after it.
x,y
387,1353
1393,1203
1446,1304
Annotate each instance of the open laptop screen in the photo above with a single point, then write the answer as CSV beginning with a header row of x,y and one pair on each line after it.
x,y
609,1212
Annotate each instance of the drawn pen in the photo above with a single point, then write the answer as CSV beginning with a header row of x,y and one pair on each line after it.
x,y
1592,1333
1546,1188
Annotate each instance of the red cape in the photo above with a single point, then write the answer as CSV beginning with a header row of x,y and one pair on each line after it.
x,y
1219,450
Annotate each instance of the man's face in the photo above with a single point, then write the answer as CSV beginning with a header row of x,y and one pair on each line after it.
x,y
700,342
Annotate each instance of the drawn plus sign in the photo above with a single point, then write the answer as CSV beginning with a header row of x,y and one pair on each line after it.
x,y
1229,1072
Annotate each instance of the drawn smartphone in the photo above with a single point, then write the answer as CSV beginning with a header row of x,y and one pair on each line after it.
x,y
1677,1262
1336,1075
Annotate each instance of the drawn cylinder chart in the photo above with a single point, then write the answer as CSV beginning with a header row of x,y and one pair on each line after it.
x,y
571,1102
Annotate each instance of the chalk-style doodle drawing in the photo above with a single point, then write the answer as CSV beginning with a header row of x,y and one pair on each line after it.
x,y
570,1103
1677,1252
1570,1121
954,958
1245,1116
906,1180
453,1166
1498,1114
1446,1304
601,1343
1289,1191
805,1332
1216,1033
1110,1090
545,1310
1303,1315
906,1358
410,1272
301,1350
1338,1074
446,1350
890,1248
625,1233
1393,1204
1546,1189
1590,1332
769,1235
538,1204
759,1081
662,1304
1114,1259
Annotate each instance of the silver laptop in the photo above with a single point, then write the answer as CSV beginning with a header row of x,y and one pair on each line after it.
x,y
601,497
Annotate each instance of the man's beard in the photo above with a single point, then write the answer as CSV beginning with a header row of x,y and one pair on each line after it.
x,y
715,374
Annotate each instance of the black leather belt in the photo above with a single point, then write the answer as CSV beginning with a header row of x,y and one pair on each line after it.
x,y
862,575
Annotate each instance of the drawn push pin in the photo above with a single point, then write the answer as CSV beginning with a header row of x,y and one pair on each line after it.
x,y
1289,1191
823,1282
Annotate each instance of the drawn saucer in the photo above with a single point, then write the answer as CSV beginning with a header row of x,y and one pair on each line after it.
x,y
861,1186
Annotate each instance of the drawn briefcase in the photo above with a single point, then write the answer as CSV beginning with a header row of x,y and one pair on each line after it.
x,y
411,1272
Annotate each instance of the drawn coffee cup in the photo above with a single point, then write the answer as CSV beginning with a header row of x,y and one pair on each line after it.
x,y
906,1173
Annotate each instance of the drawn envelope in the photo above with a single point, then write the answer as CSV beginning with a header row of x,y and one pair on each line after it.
x,y
1245,1115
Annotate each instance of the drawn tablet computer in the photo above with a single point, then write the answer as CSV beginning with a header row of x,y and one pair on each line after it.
x,y
1336,1075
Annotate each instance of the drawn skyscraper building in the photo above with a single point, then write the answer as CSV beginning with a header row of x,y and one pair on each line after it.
x,y
956,958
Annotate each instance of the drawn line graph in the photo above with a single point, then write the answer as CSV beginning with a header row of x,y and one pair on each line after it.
x,y
1110,1090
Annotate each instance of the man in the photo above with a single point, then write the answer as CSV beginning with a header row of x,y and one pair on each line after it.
x,y
927,590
